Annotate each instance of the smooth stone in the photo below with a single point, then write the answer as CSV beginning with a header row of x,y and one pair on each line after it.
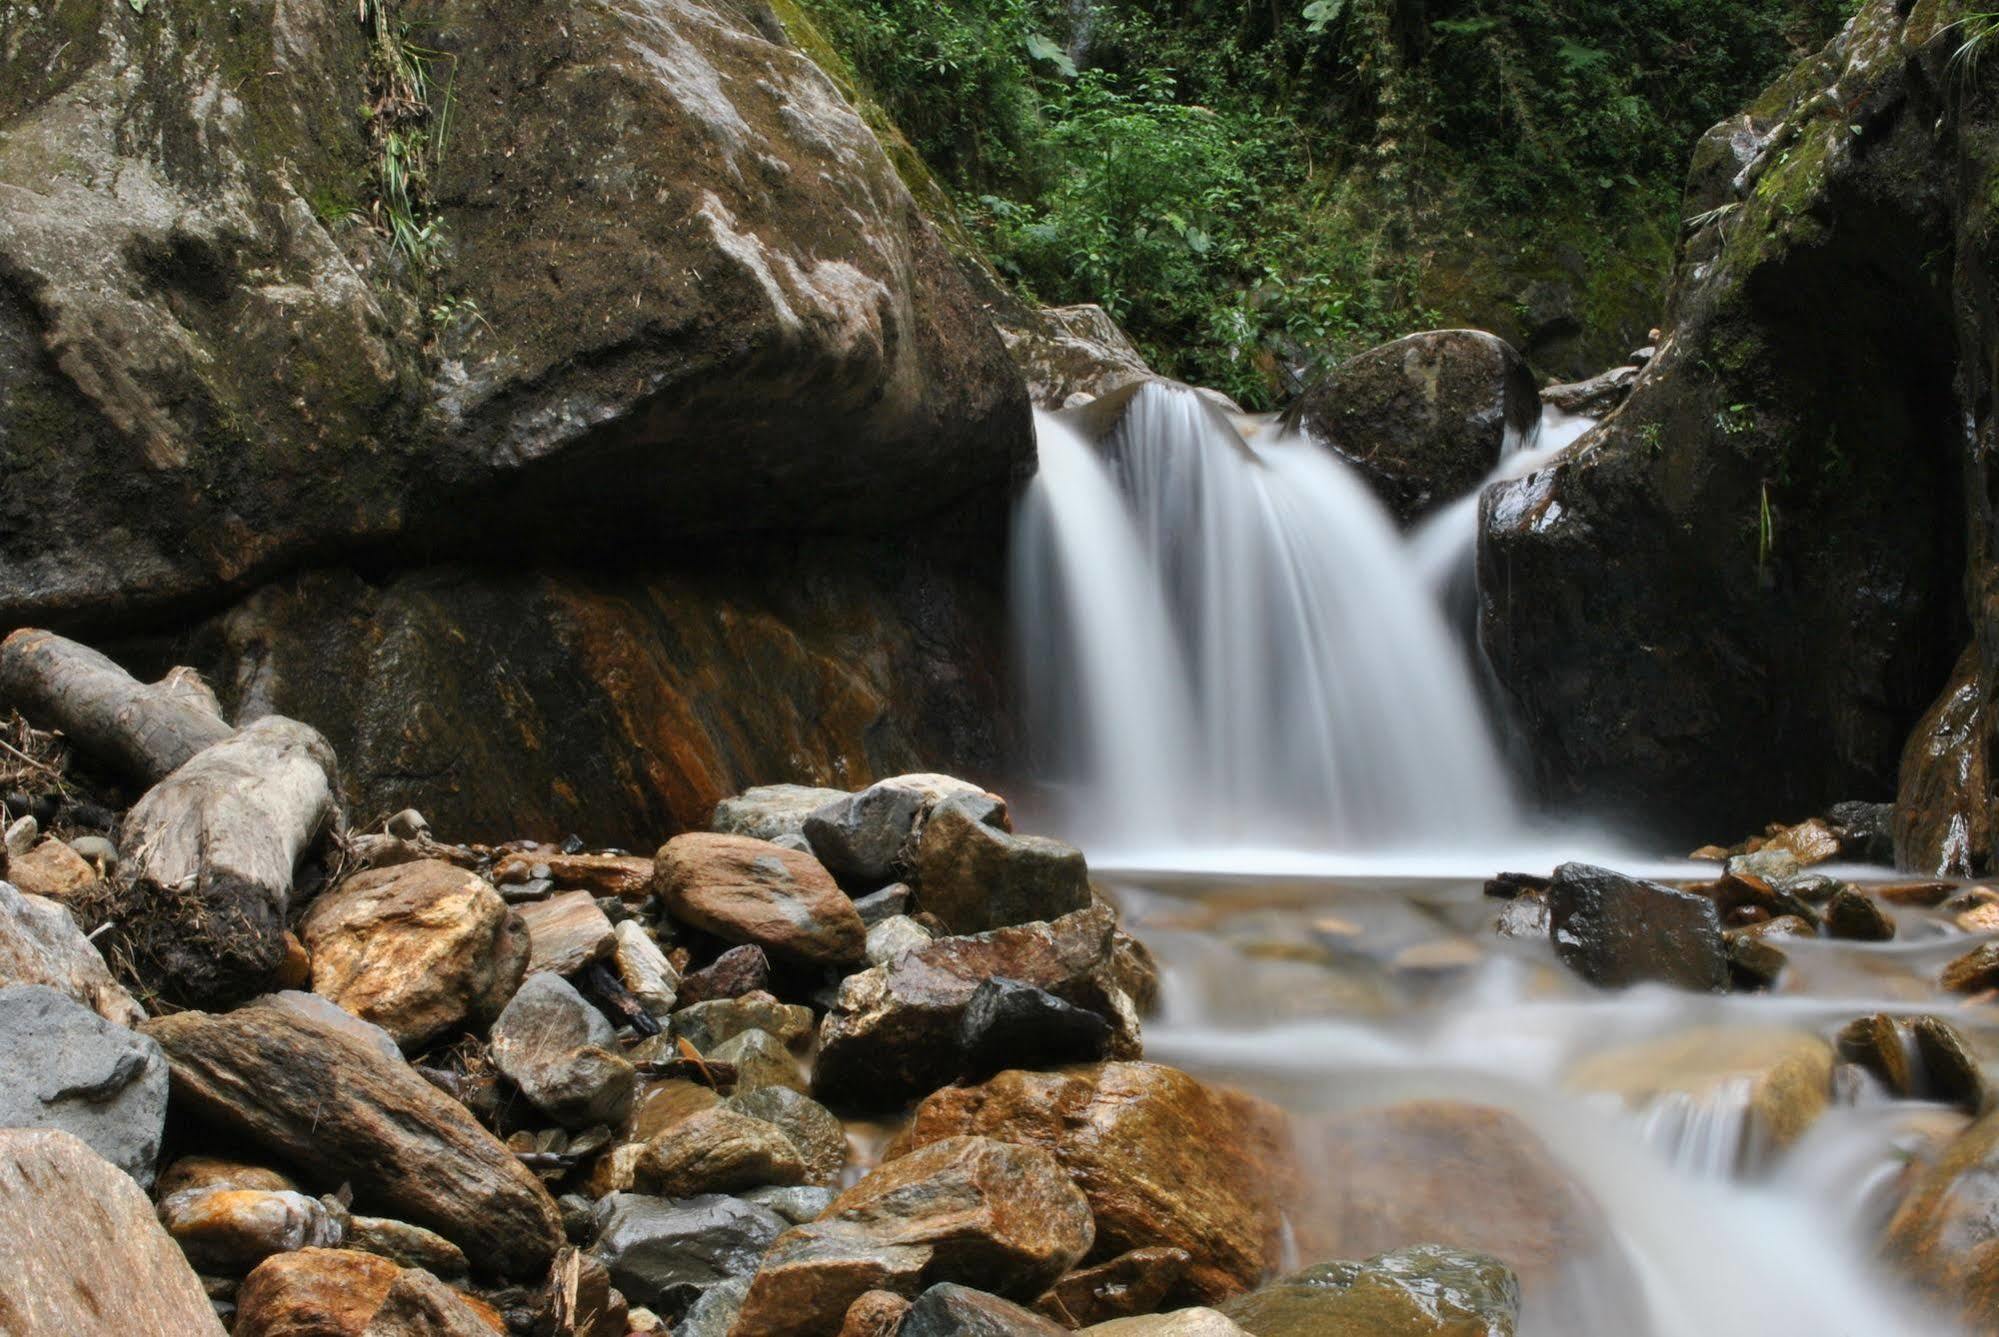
x,y
707,1025
561,1052
797,1203
816,1132
1008,1024
1975,971
974,877
1875,1043
1617,931
406,1245
52,869
41,944
313,1293
567,932
769,811
1423,1291
812,1276
950,1310
875,1314
1135,1282
1944,1237
717,1150
419,1305
760,1060
62,1066
1782,1077
625,876
738,971
1951,1073
752,892
1851,914
863,836
664,1254
1198,1322
216,1172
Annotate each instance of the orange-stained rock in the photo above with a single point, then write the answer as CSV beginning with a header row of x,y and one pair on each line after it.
x,y
717,1151
51,869
875,1314
755,893
1945,1235
1131,1283
83,1252
227,1231
313,1293
295,971
567,933
421,949
1163,1159
217,1172
419,1305
625,875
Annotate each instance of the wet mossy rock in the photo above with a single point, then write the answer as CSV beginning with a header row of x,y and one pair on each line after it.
x,y
1739,593
707,304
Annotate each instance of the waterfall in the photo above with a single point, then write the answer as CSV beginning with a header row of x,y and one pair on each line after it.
x,y
1224,640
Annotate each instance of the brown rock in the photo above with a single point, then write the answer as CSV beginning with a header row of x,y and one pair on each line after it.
x,y
41,944
1809,842
216,1172
1945,1235
422,949
717,1151
975,877
1854,915
50,869
318,1099
1975,971
813,1275
313,1293
406,1245
1164,1160
567,933
755,893
1789,1076
666,1103
228,1231
738,971
1951,1073
1922,894
1198,1322
295,970
84,1252
950,1310
1137,1282
875,1314
419,1305
1875,1043
628,876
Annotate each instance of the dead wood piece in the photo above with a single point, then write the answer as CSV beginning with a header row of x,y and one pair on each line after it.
x,y
144,730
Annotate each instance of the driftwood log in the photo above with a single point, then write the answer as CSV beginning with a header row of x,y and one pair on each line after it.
x,y
145,730
208,855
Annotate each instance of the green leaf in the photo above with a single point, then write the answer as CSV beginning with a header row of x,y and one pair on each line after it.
x,y
139,6
1041,47
1322,14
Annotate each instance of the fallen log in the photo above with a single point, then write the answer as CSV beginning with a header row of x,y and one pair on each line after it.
x,y
145,730
207,861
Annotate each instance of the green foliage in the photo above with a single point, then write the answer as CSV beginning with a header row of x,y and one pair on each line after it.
x,y
409,118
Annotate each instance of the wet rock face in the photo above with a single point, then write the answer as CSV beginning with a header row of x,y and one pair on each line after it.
x,y
1766,541
1943,819
1424,1291
1616,931
1943,1237
1425,418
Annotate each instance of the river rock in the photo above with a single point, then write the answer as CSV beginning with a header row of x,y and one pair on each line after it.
x,y
891,902
1425,418
643,968
561,1052
406,1245
738,971
875,1314
1197,1322
1135,1282
419,1305
1783,1077
1164,1160
228,1231
50,869
815,1273
769,811
628,876
1945,1235
1857,916
893,936
707,1025
423,950
975,877
1951,1072
1974,972
1008,1024
717,1150
85,1253
1423,1291
319,1100
1070,354
41,944
313,1293
1616,931
950,1310
760,1060
714,1313
664,1254
567,932
819,1136
217,1172
893,1032
64,1067
1875,1043
864,836
796,1203
755,893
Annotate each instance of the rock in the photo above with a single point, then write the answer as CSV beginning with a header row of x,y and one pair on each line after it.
x,y
214,1172
1525,917
1593,398
1951,1073
1424,419
1008,1024
1164,1160
97,851
960,1207
50,869
717,1150
313,1293
1783,1077
707,1025
1865,830
409,824
644,969
1423,1291
1944,1237
864,836
755,893
892,901
760,1061
797,1203
819,1137
1875,1043
976,877
627,876
1179,1323
423,950
950,1310
1136,1282
84,1252
228,1231
406,1245
875,1314
328,1013
561,1052
714,1314
419,1305
769,811
1850,914
893,1033
1809,842
738,971
1974,972
41,944
566,933
893,936
317,1099
1754,962
1070,354
1617,931
664,1254
63,1067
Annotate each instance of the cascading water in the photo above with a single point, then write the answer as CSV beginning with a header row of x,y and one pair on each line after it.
x,y
1224,642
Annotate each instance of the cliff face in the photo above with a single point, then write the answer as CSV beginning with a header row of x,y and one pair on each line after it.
x,y
668,302
1733,599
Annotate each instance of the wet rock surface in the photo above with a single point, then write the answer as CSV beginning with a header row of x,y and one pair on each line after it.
x,y
755,893
1426,1291
1616,931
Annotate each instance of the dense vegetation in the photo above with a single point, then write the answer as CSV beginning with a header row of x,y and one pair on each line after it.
x,y
1253,187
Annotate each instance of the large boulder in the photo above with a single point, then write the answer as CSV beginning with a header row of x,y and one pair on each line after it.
x,y
1070,354
768,328
1424,419
84,1253
64,1067
1736,595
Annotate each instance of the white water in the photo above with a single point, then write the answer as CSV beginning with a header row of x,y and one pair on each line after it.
x,y
1223,642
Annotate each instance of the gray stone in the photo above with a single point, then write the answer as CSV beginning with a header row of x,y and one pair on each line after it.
x,y
1617,931
714,1314
892,900
718,1021
227,1231
560,1051
950,1310
796,1203
41,944
63,1067
330,1013
894,936
665,1254
817,1133
863,836
761,1060
770,811
975,877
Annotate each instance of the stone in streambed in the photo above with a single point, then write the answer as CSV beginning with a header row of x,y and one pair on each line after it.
x,y
714,1313
84,1251
1951,1074
41,944
1782,1077
419,1305
707,1025
1134,1282
665,1254
644,969
1423,1291
560,1051
422,949
567,933
1008,1024
760,1060
769,811
1198,1322
755,893
893,936
717,1150
975,877
950,1310
51,869
864,836
64,1067
1876,1044
623,875
1944,1237
891,901
1853,915
345,1293
815,1273
875,1314
1617,931
228,1231
819,1136
738,971
1975,971
406,1245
